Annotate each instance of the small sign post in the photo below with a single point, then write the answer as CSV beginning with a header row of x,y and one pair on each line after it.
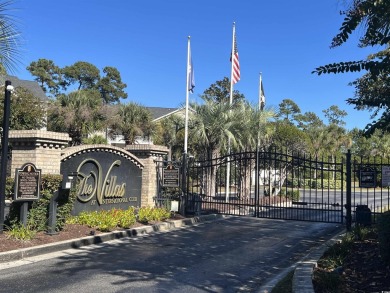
x,y
367,178
27,187
385,176
170,176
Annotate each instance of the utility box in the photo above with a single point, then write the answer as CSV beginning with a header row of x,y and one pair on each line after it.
x,y
194,204
363,215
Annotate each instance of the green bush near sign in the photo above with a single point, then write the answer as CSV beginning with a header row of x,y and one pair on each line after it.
x,y
106,221
21,232
39,210
147,214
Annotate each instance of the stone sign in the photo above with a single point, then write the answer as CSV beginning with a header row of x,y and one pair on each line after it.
x,y
105,180
27,183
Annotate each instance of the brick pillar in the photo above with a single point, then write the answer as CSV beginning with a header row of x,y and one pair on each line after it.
x,y
147,154
40,147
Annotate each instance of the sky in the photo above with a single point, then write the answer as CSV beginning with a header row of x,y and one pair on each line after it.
x,y
147,42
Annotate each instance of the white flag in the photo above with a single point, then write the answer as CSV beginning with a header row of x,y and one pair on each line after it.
x,y
261,95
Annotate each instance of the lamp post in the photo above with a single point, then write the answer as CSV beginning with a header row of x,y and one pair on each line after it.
x,y
4,150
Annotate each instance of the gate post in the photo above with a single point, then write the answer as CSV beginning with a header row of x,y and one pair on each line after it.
x,y
349,192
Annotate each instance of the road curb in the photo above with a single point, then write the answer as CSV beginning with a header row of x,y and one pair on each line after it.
x,y
23,253
303,274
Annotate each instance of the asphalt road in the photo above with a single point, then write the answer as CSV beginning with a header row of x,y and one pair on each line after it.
x,y
235,254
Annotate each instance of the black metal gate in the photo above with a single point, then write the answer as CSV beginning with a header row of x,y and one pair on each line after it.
x,y
290,186
369,188
279,185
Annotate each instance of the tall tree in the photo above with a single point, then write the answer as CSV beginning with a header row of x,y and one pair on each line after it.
x,y
111,86
288,136
252,131
308,120
219,92
212,127
254,127
27,111
373,19
373,94
287,109
335,115
170,132
132,121
47,74
79,113
85,74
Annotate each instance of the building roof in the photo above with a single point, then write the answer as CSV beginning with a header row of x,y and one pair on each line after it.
x,y
159,113
32,86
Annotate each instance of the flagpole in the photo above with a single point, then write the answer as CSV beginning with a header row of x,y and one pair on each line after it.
x,y
232,65
187,95
227,185
184,163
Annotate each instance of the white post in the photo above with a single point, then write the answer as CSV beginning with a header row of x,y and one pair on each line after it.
x,y
187,94
227,185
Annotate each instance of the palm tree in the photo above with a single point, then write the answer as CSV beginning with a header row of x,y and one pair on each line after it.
x,y
132,121
211,129
253,133
9,39
80,113
170,133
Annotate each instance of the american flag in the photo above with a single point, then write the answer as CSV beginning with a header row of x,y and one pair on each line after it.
x,y
236,63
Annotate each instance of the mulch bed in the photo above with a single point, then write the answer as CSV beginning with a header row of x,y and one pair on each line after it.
x,y
71,231
363,270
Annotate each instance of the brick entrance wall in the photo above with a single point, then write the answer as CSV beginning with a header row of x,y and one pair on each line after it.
x,y
45,150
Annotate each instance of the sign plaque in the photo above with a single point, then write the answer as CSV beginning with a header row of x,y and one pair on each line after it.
x,y
385,176
28,182
170,176
367,178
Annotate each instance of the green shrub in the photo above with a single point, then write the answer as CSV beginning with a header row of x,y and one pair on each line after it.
x,y
327,183
160,214
384,235
147,214
293,182
106,220
128,218
90,219
39,210
101,220
334,257
292,195
21,232
9,188
361,232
